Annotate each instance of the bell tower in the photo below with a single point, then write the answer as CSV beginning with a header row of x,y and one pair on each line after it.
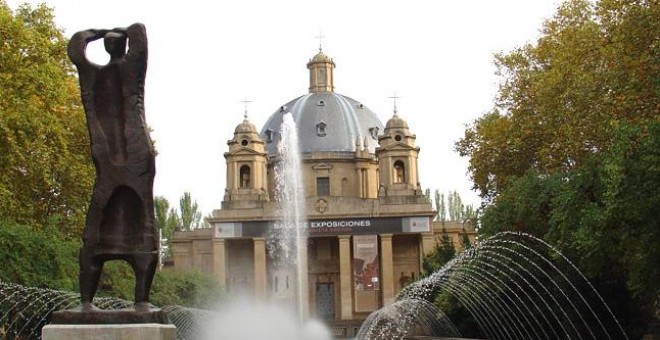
x,y
397,159
246,167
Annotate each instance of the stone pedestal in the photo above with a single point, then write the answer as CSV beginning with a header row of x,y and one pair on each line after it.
x,y
150,331
148,314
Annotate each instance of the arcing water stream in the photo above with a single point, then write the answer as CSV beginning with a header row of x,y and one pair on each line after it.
x,y
515,286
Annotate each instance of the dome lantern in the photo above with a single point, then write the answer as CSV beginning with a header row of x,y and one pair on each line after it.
x,y
321,78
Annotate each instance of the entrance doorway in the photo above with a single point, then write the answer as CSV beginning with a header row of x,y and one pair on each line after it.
x,y
325,301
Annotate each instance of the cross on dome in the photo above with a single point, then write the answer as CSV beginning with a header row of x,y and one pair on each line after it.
x,y
394,98
320,38
245,104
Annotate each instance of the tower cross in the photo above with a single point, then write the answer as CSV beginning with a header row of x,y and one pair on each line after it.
x,y
394,98
320,38
245,104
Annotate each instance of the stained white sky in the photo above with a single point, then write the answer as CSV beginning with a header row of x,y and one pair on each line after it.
x,y
205,57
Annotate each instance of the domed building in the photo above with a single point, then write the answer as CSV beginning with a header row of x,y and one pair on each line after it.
x,y
368,221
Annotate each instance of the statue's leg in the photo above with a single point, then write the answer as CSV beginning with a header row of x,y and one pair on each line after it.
x,y
90,267
144,264
90,273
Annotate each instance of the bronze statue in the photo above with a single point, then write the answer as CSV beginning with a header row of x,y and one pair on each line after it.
x,y
120,219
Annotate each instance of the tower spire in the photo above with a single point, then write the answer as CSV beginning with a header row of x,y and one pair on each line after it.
x,y
394,98
320,38
245,104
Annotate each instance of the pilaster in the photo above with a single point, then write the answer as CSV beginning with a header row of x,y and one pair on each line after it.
x,y
345,276
260,283
304,282
220,262
387,267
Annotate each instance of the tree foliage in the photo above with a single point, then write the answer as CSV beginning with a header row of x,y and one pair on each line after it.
x,y
37,259
603,215
442,253
191,216
570,152
169,219
595,66
47,260
161,213
189,288
46,173
453,205
440,206
186,288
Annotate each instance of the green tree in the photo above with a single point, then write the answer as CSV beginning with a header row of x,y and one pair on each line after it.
x,y
603,215
169,219
190,214
37,259
470,213
442,253
174,222
610,209
440,206
188,288
523,206
205,221
569,153
46,173
595,65
161,210
455,206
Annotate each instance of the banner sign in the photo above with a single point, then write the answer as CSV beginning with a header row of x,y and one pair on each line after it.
x,y
347,226
365,262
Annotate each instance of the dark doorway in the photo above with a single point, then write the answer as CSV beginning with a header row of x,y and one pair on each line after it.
x,y
325,301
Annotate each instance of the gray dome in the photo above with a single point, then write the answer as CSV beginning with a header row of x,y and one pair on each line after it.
x,y
326,121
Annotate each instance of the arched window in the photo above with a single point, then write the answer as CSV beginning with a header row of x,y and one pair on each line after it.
x,y
245,177
399,172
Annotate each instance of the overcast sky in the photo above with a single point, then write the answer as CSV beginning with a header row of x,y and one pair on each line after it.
x,y
205,57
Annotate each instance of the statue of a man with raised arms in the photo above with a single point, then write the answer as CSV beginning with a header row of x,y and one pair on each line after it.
x,y
120,219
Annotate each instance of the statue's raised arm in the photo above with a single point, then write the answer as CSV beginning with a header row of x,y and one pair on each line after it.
x,y
137,41
78,45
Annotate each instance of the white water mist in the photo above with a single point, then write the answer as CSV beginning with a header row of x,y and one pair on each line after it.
x,y
287,241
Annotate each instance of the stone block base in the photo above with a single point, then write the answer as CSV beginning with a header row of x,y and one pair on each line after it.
x,y
150,331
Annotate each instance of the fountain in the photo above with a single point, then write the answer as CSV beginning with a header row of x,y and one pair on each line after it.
x,y
287,239
515,286
285,315
25,310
